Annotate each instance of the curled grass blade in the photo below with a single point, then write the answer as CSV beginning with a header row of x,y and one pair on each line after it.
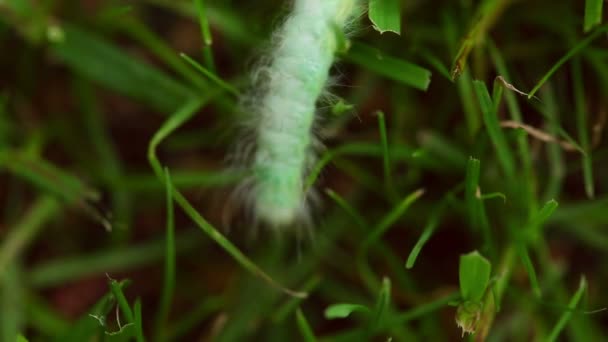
x,y
172,123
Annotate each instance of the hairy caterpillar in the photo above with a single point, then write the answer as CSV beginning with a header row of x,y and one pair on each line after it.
x,y
284,112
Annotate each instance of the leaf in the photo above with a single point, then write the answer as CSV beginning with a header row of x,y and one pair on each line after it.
x,y
99,60
385,15
396,69
593,14
305,329
567,315
382,304
474,276
344,310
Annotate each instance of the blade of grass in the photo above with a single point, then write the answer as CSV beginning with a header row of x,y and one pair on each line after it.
x,y
388,220
386,161
22,234
221,83
305,329
169,276
581,123
137,320
573,51
90,324
98,60
133,315
488,13
376,233
182,179
56,272
172,123
522,250
396,69
477,214
397,153
557,168
385,15
567,315
494,131
206,34
192,319
522,142
593,14
427,232
45,176
44,319
292,303
12,303
349,209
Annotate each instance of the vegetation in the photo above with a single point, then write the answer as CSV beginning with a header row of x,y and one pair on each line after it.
x,y
462,184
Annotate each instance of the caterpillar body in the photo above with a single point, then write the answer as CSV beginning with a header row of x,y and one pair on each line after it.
x,y
294,77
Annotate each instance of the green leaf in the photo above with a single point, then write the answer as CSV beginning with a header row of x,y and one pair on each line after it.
x,y
344,310
99,60
494,131
382,304
305,329
21,338
393,68
385,15
567,315
593,14
573,51
474,276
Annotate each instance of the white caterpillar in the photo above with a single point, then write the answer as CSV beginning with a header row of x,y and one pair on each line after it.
x,y
294,78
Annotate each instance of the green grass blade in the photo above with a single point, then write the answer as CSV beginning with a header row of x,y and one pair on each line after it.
x,y
397,153
22,234
582,126
12,303
396,69
137,320
494,131
567,315
475,206
100,61
89,324
529,266
349,209
192,319
389,219
573,51
593,14
488,13
385,15
59,271
201,9
46,176
123,304
305,329
172,123
386,160
292,303
382,305
427,232
221,83
169,276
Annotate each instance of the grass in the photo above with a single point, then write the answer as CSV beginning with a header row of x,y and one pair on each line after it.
x,y
115,126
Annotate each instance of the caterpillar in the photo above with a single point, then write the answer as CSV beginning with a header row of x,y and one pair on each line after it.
x,y
295,76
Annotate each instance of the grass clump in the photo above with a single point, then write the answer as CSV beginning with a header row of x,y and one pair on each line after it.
x,y
115,122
